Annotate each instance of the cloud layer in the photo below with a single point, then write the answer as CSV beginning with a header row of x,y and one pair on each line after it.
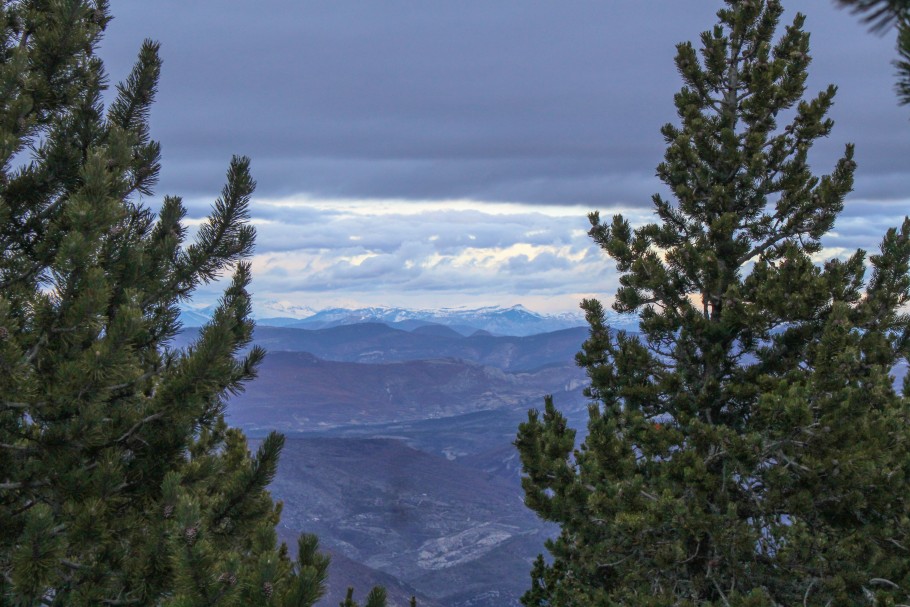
x,y
522,101
422,255
446,153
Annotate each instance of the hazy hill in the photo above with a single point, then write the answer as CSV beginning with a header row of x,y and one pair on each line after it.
x,y
374,342
297,391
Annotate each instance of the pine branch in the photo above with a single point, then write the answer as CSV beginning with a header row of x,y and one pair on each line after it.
x,y
24,485
903,63
879,15
225,237
264,467
138,425
130,110
94,347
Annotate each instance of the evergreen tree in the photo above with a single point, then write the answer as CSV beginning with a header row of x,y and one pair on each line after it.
x,y
120,483
376,598
747,447
881,15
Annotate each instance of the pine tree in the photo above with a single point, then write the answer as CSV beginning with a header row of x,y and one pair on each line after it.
x,y
120,483
376,598
747,446
881,15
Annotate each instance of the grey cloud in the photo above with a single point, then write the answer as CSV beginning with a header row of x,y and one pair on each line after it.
x,y
545,262
525,101
389,272
436,251
443,232
599,180
424,252
885,209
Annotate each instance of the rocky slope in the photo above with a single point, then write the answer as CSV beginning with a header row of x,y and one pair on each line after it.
x,y
459,536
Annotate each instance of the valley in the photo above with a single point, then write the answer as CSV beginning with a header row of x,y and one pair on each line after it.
x,y
399,455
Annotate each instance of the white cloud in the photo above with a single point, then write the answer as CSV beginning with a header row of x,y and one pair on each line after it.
x,y
423,254
320,253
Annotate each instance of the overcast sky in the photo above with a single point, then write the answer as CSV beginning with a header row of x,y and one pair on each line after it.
x,y
432,154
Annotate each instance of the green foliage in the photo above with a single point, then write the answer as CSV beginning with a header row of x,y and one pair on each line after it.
x,y
120,483
376,598
747,447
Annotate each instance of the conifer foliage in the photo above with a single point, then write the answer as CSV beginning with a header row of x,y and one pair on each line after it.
x,y
376,598
747,446
120,483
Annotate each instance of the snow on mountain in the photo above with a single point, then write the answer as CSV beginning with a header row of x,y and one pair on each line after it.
x,y
515,320
195,317
499,320
283,309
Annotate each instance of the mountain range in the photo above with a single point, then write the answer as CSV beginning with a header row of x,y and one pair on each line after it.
x,y
399,450
497,320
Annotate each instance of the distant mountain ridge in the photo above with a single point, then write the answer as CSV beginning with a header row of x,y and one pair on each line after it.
x,y
498,320
379,343
515,320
